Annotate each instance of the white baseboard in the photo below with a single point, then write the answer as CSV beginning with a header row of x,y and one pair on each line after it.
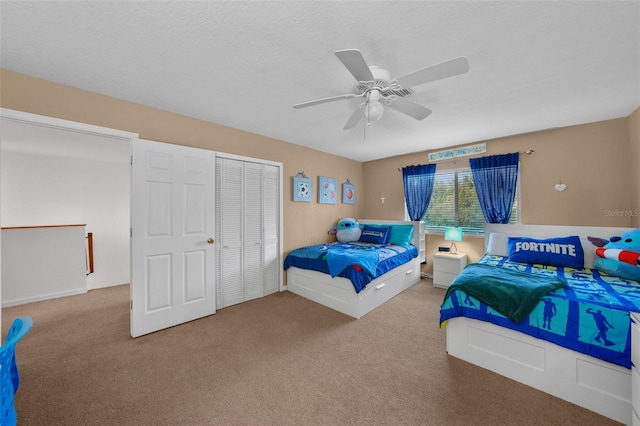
x,y
41,297
95,287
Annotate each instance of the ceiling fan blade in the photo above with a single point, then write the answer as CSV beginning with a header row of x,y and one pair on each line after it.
x,y
321,101
410,108
354,119
355,63
436,72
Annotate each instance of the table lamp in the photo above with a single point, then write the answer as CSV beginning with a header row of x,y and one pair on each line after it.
x,y
453,235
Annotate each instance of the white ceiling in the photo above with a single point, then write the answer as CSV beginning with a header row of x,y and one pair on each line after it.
x,y
533,65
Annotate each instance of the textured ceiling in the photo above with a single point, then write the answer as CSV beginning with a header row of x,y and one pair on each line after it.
x,y
533,65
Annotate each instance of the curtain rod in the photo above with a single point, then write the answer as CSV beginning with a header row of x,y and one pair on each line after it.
x,y
528,152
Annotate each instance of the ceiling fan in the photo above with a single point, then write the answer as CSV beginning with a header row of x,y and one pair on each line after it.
x,y
377,87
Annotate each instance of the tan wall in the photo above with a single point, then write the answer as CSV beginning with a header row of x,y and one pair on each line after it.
x,y
593,160
634,142
304,223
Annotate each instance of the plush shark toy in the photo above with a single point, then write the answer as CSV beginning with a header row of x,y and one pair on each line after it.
x,y
619,256
348,230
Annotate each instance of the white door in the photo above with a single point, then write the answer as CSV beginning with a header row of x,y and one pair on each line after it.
x,y
172,230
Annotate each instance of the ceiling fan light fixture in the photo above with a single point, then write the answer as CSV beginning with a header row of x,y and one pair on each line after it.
x,y
373,111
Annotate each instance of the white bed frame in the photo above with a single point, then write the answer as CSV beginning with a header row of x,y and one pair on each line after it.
x,y
581,379
338,293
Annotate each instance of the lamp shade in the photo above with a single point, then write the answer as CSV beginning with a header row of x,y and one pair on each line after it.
x,y
453,234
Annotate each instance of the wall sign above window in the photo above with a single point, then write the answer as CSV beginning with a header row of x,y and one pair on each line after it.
x,y
454,153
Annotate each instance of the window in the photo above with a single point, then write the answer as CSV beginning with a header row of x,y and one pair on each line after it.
x,y
454,203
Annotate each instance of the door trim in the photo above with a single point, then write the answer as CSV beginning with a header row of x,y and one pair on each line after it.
x,y
58,123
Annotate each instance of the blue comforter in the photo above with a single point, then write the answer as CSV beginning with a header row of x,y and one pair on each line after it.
x,y
590,315
359,262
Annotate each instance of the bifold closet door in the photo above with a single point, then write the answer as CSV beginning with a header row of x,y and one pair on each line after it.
x,y
252,231
247,230
271,229
229,212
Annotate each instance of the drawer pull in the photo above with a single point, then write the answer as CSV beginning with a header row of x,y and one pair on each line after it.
x,y
379,286
409,272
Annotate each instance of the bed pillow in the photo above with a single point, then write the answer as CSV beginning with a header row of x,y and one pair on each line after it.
x,y
401,235
375,234
560,251
497,245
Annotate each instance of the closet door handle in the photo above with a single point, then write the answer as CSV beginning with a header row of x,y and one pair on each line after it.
x,y
210,240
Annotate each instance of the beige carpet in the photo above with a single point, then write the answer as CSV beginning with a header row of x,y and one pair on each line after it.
x,y
280,360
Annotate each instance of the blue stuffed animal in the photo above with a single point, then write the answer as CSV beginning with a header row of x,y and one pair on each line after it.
x,y
619,256
348,230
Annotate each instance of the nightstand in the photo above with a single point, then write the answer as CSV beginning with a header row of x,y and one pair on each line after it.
x,y
446,267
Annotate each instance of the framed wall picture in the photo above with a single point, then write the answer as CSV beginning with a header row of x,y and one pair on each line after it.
x,y
327,190
348,193
302,189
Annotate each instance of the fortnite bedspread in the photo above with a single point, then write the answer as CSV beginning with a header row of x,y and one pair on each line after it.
x,y
359,262
590,315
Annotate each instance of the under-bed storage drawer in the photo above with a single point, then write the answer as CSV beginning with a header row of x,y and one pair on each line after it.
x,y
338,293
379,291
635,394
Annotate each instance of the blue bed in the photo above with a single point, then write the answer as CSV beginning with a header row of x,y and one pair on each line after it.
x,y
590,315
359,262
359,288
537,352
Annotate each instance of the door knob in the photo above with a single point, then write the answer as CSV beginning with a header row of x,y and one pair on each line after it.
x,y
210,240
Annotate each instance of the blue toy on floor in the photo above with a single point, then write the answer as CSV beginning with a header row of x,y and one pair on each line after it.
x,y
9,375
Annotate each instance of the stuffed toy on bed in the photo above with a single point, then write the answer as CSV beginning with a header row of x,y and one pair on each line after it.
x,y
619,256
348,230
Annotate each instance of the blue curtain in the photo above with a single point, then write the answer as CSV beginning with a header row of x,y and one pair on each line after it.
x,y
495,178
418,185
